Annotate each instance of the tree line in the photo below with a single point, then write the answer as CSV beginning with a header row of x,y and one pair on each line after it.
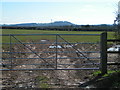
x,y
102,27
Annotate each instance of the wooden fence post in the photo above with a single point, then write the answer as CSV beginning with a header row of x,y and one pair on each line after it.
x,y
103,53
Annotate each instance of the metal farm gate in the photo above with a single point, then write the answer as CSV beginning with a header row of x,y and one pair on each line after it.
x,y
56,52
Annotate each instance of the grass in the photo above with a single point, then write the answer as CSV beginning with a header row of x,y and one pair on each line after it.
x,y
105,75
112,78
42,82
6,39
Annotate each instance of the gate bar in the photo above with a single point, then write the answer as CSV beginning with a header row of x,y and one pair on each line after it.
x,y
54,64
60,52
57,58
52,43
48,34
50,69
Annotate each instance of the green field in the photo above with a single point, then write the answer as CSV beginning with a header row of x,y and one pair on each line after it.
x,y
37,38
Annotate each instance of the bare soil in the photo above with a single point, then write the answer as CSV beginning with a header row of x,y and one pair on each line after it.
x,y
49,78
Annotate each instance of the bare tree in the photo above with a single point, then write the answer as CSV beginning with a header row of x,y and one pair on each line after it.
x,y
117,22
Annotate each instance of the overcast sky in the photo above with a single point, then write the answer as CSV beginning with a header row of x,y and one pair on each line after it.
x,y
46,11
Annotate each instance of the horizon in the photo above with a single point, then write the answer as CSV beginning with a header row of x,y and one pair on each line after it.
x,y
80,12
54,22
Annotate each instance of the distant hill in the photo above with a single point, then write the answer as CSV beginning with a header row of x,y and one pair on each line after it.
x,y
62,23
56,23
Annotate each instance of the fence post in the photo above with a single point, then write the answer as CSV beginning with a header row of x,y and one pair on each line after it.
x,y
103,53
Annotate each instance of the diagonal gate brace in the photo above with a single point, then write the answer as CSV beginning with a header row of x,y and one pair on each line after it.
x,y
31,50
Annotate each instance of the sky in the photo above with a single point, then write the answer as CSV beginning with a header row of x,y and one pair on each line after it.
x,y
45,11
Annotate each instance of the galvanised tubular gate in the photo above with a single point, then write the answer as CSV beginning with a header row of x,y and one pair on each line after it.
x,y
103,52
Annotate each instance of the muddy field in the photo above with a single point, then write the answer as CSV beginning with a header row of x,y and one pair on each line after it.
x,y
43,56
